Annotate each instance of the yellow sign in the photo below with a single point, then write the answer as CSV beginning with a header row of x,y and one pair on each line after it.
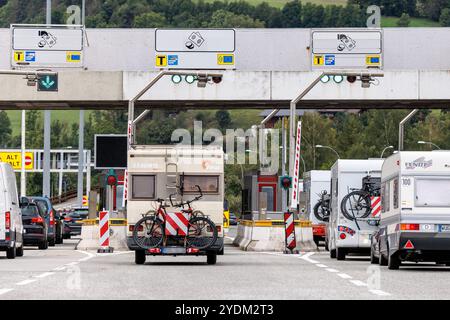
x,y
85,201
374,60
73,56
318,60
225,59
226,219
15,159
19,56
161,60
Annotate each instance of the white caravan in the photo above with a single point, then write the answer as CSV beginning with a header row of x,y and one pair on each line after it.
x,y
155,172
415,219
11,228
350,231
314,183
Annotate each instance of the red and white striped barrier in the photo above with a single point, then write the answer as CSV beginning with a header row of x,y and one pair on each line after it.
x,y
104,232
290,230
375,204
177,224
296,173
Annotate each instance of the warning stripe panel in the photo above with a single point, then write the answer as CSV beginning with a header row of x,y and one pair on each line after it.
x,y
176,224
375,206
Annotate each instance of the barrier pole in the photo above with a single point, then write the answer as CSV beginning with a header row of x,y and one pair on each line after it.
x,y
289,228
104,233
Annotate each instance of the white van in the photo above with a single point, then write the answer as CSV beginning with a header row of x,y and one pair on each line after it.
x,y
415,218
11,228
314,183
156,171
350,231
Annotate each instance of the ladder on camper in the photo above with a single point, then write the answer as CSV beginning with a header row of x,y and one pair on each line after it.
x,y
172,175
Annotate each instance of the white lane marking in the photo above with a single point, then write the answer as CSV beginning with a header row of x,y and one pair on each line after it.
x,y
358,283
59,268
3,291
379,292
332,270
72,263
306,257
25,282
344,276
229,238
45,274
89,254
321,265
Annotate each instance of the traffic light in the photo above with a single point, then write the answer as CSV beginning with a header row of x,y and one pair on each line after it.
x,y
48,82
286,182
111,178
202,79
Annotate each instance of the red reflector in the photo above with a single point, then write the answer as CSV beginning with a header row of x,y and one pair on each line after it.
x,y
154,250
219,229
52,218
409,226
408,245
7,220
342,236
193,250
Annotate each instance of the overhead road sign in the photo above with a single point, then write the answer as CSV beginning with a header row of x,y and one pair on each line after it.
x,y
346,49
48,82
47,46
195,48
111,151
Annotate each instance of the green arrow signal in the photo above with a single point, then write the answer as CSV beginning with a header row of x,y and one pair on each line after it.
x,y
47,83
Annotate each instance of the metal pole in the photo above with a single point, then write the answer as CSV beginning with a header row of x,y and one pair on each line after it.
x,y
80,159
23,180
83,12
401,128
283,162
61,174
88,172
47,127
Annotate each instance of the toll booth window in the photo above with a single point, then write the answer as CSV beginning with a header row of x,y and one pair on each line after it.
x,y
270,204
208,184
143,187
432,192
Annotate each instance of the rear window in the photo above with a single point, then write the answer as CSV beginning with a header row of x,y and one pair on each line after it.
x,y
30,211
432,192
143,187
208,184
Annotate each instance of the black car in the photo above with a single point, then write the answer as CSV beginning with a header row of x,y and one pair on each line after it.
x,y
375,256
71,220
233,219
54,222
34,225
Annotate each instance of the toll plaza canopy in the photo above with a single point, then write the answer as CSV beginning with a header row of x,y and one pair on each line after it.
x,y
105,68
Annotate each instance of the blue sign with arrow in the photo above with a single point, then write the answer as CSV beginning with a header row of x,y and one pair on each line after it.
x,y
48,83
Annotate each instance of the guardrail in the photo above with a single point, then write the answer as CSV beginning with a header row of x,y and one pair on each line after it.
x,y
64,197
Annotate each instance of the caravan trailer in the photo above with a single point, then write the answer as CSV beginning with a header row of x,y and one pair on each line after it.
x,y
315,182
415,218
352,222
157,172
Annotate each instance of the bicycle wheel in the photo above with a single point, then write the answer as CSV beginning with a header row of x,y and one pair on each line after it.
x,y
320,212
148,232
202,233
356,205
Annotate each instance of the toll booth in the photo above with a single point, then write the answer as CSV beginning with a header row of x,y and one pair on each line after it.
x,y
261,197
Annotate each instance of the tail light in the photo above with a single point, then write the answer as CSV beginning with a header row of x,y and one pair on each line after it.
x,y
409,226
342,236
37,220
67,219
131,228
7,225
52,218
154,250
192,250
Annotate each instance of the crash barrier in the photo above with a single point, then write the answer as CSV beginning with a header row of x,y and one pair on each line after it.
x,y
90,234
104,230
269,235
289,231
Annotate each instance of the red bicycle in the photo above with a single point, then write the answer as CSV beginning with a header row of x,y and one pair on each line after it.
x,y
150,231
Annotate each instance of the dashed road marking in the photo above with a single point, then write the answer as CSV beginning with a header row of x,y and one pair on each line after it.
x,y
59,268
72,263
45,274
306,257
344,276
3,291
379,292
359,283
332,270
321,265
25,282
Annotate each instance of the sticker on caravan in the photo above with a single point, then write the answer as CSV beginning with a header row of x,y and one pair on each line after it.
x,y
345,229
419,163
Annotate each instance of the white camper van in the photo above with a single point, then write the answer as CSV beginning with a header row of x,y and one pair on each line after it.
x,y
415,218
315,183
11,228
354,192
157,172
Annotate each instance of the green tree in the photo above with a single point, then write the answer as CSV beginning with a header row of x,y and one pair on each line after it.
x,y
5,129
292,14
223,119
149,20
227,19
404,20
444,19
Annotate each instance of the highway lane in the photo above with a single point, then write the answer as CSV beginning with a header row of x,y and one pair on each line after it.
x,y
65,273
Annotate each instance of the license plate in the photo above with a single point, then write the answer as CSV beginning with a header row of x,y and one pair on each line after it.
x,y
174,250
444,228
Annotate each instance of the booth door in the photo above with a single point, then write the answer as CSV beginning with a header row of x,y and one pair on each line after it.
x,y
270,189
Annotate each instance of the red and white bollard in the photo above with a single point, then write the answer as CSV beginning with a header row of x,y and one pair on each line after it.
x,y
104,233
289,232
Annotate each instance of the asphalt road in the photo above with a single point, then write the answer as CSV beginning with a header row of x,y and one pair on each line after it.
x,y
62,272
